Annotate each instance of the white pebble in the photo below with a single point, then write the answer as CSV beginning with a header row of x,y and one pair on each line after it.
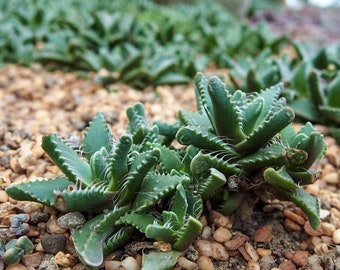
x,y
130,263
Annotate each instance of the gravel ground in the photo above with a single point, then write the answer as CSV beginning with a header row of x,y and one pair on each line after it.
x,y
35,102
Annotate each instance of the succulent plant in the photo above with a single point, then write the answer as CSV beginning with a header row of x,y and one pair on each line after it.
x,y
237,144
122,182
237,135
15,248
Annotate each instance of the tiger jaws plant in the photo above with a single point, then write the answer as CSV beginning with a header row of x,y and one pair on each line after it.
x,y
233,145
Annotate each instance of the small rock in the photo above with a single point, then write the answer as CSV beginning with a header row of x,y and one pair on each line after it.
x,y
48,263
331,178
186,264
236,241
220,220
53,227
3,196
31,207
33,259
53,243
336,236
64,260
264,252
252,252
252,265
300,258
206,232
294,217
219,252
222,234
205,263
17,266
292,226
37,217
112,265
287,265
315,262
204,247
263,234
327,228
71,220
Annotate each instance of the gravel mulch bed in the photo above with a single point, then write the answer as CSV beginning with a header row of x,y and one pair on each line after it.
x,y
35,102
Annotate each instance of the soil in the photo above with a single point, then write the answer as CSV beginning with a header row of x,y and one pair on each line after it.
x,y
35,102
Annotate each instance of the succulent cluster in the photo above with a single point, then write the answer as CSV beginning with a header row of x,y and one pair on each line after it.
x,y
235,144
12,251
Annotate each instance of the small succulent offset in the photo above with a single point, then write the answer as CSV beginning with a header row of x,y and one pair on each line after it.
x,y
235,144
12,252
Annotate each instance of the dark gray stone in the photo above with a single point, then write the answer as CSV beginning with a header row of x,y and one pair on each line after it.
x,y
53,243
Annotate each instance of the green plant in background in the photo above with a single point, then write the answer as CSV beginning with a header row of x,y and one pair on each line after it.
x,y
237,144
311,79
138,43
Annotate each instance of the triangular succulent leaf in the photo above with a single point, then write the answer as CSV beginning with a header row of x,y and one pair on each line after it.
x,y
97,135
67,159
42,191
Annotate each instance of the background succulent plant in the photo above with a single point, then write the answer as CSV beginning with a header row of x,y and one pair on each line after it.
x,y
237,144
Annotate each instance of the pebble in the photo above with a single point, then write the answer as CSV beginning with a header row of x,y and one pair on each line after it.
x,y
33,260
64,259
130,263
244,253
53,227
321,249
300,258
204,247
112,265
336,236
253,265
37,217
53,243
222,234
335,202
331,178
294,217
287,265
251,251
71,220
205,263
31,207
3,196
291,226
17,266
48,263
219,219
236,241
263,252
315,262
219,252
327,228
186,264
263,234
206,232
